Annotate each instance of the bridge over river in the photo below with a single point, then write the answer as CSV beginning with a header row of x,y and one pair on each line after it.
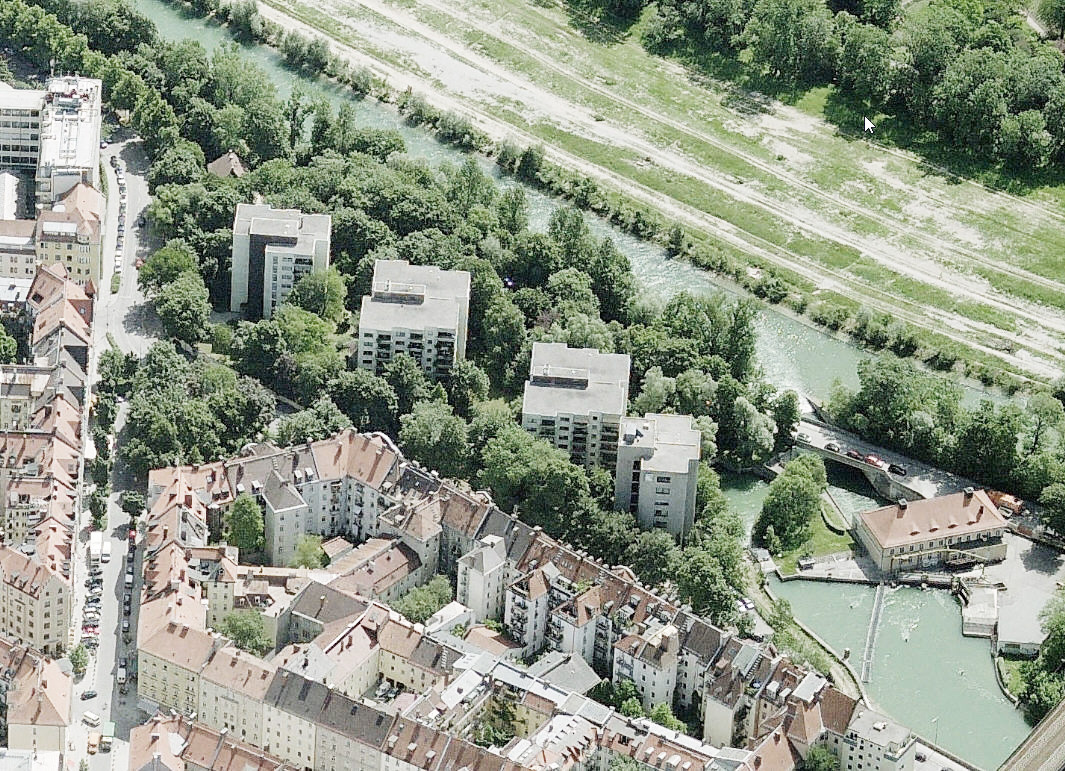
x,y
920,480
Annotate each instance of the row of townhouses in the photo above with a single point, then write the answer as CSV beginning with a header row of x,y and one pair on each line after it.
x,y
335,639
41,447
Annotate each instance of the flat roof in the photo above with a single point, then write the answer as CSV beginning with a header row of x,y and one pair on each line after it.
x,y
415,297
575,381
673,440
947,516
70,124
12,98
262,215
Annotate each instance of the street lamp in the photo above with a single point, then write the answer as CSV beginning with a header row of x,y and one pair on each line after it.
x,y
935,722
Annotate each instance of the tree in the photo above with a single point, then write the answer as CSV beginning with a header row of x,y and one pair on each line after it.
x,y
8,347
1053,501
702,583
309,552
467,385
654,557
165,265
865,56
785,411
247,631
180,164
1052,14
820,758
423,601
793,500
184,309
408,380
321,419
265,131
793,39
79,659
244,524
1045,415
434,436
133,502
321,292
663,715
368,400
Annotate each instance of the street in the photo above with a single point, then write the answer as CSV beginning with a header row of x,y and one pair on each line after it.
x,y
128,319
126,316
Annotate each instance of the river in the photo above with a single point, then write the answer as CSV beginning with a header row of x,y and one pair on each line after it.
x,y
913,680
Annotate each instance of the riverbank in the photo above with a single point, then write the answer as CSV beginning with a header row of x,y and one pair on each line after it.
x,y
809,296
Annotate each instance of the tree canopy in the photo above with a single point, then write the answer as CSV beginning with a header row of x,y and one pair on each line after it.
x,y
244,524
247,631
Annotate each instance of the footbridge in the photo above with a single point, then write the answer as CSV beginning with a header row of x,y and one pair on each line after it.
x,y
920,480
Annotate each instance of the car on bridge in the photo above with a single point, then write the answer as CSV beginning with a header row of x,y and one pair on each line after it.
x,y
874,460
895,468
832,447
855,454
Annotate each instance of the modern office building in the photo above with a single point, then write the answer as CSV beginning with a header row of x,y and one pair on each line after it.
x,y
657,471
419,310
575,398
272,250
69,150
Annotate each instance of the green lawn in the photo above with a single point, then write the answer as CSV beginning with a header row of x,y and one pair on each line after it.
x,y
1010,669
822,541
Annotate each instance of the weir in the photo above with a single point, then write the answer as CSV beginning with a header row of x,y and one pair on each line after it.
x,y
870,636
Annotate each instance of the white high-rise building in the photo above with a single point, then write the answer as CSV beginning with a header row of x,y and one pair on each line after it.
x,y
419,310
55,131
658,470
575,398
272,250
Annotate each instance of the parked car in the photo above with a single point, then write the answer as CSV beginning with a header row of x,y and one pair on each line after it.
x,y
114,161
127,598
86,695
140,221
873,460
895,468
122,662
103,144
125,625
138,265
801,437
126,609
854,454
832,447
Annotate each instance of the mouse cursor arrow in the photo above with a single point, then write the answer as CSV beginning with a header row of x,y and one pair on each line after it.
x,y
869,126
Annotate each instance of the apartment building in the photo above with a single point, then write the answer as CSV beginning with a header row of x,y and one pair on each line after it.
x,y
873,740
958,529
575,398
176,743
233,686
70,233
419,310
20,126
37,698
272,250
651,663
18,247
657,471
170,662
482,579
35,602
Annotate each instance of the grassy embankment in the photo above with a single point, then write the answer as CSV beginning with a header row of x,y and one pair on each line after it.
x,y
735,154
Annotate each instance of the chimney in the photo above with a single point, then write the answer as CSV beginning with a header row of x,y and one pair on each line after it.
x,y
968,494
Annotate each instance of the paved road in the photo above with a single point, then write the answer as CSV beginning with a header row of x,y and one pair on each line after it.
x,y
923,479
129,320
127,316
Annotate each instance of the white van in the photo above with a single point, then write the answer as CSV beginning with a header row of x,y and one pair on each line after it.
x,y
91,718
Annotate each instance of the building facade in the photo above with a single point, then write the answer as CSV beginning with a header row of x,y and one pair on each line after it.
x,y
272,250
419,310
958,529
575,398
657,471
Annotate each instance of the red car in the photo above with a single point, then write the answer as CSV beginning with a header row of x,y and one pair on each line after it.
x,y
874,460
854,454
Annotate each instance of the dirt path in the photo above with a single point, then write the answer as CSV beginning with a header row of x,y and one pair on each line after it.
x,y
932,240
426,74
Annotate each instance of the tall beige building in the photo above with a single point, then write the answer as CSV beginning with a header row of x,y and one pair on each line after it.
x,y
575,398
272,250
657,471
419,310
35,602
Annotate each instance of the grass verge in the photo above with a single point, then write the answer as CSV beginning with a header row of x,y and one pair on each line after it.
x,y
822,541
